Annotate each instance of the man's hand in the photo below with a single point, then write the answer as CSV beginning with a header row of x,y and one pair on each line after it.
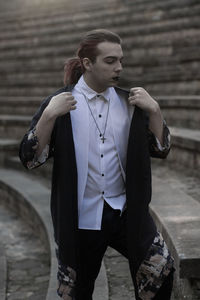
x,y
139,96
61,104
58,106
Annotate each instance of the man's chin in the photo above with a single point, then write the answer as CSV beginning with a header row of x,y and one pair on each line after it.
x,y
115,81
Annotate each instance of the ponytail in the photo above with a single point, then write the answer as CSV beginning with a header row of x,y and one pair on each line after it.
x,y
72,71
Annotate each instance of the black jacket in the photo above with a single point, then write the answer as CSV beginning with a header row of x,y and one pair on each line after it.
x,y
141,229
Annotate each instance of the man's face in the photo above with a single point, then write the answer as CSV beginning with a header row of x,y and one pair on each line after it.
x,y
105,71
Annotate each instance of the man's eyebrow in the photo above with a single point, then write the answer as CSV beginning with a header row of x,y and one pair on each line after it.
x,y
115,57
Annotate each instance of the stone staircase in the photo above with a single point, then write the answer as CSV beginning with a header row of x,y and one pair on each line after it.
x,y
157,39
161,47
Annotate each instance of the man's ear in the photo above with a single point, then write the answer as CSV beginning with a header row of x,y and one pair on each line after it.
x,y
87,63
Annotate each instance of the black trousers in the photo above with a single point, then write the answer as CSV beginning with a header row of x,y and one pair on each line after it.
x,y
93,244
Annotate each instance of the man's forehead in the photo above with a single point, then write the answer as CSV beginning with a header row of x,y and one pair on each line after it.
x,y
108,49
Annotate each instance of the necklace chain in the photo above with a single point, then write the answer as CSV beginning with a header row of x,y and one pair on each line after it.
x,y
102,135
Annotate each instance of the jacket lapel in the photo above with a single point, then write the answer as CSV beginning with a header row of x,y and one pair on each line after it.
x,y
80,126
121,125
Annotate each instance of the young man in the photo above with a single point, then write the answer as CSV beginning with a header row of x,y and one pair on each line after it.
x,y
101,138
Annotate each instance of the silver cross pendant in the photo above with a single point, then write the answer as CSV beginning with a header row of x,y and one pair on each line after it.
x,y
103,139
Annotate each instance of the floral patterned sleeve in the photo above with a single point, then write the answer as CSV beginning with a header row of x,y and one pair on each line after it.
x,y
29,145
155,148
155,268
66,280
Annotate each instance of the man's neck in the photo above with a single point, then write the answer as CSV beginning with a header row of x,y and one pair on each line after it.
x,y
91,85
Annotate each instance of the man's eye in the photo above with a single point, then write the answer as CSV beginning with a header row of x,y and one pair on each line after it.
x,y
109,61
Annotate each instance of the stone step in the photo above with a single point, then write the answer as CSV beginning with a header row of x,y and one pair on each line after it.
x,y
161,59
49,63
147,74
177,216
64,24
51,50
72,33
8,148
185,147
32,79
26,91
154,64
14,126
142,61
178,111
153,73
181,111
19,105
155,89
177,88
69,43
44,172
96,10
139,75
39,9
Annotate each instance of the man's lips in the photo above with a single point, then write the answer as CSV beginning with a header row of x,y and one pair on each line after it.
x,y
116,78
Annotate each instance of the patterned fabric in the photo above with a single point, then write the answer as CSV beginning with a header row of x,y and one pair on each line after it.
x,y
150,276
66,281
31,145
154,269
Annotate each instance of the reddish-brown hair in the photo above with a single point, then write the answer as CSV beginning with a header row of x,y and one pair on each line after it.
x,y
74,68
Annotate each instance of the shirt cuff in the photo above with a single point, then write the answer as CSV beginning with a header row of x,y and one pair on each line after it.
x,y
166,139
155,147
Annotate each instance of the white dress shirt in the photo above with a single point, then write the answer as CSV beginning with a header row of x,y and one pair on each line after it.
x,y
100,166
105,167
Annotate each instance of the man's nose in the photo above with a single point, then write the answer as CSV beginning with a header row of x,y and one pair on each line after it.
x,y
119,67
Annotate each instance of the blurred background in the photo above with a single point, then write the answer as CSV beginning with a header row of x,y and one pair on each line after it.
x,y
161,43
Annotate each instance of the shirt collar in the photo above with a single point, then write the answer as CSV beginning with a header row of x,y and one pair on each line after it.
x,y
83,88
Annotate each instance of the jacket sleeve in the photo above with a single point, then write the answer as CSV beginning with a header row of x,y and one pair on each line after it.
x,y
155,148
29,143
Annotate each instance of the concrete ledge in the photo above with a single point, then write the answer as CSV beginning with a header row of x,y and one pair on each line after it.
x,y
177,216
185,147
30,199
8,148
181,111
23,91
44,171
3,272
19,105
14,126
